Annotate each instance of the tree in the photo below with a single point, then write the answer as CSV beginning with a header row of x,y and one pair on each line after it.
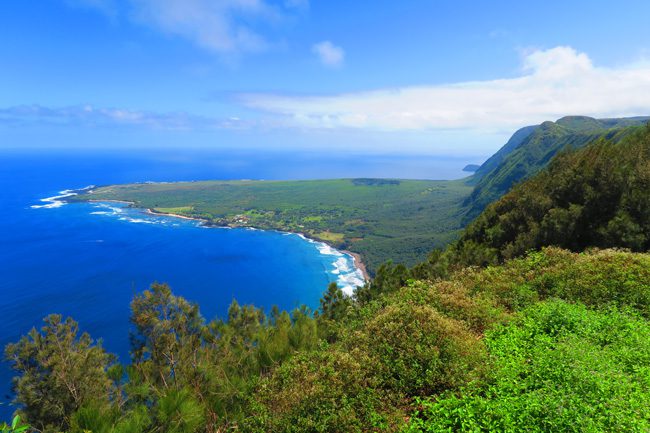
x,y
58,372
334,304
167,335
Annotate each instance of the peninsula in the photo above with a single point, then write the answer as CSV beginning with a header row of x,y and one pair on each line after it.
x,y
374,219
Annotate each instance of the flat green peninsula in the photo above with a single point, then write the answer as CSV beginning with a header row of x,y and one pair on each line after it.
x,y
379,219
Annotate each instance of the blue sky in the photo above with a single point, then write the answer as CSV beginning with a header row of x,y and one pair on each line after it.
x,y
437,76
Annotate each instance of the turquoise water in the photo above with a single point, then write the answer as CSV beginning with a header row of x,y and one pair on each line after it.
x,y
87,260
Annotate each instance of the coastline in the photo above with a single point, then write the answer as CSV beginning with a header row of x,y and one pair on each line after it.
x,y
358,263
356,257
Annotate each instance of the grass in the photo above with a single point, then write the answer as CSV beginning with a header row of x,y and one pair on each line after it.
x,y
380,219
175,210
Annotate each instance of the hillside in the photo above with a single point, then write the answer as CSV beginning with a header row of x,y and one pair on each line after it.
x,y
531,148
598,196
380,219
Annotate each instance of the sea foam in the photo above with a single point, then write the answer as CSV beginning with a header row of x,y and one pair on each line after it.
x,y
57,200
348,276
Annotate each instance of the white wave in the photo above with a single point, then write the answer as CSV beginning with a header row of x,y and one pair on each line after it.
x,y
349,282
56,201
348,276
326,250
138,220
109,209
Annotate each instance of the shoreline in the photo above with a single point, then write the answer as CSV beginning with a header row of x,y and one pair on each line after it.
x,y
357,260
358,263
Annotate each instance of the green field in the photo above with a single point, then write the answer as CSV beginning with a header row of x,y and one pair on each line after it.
x,y
381,219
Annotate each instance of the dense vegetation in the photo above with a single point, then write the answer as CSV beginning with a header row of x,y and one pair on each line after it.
x,y
495,348
534,338
531,148
377,218
597,196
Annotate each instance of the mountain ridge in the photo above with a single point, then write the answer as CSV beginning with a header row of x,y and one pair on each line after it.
x,y
532,147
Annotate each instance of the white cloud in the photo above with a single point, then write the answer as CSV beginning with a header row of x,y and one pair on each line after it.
x,y
554,83
329,54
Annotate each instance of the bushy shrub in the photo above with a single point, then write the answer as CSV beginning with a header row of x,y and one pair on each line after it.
x,y
419,351
560,367
455,299
596,277
323,391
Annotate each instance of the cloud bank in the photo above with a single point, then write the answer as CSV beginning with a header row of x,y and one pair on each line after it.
x,y
553,83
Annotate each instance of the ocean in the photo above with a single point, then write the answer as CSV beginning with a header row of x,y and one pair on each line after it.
x,y
88,260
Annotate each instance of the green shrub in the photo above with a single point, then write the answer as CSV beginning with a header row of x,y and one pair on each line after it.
x,y
560,367
322,391
597,278
419,351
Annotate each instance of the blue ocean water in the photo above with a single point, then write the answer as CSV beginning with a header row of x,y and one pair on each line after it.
x,y
88,260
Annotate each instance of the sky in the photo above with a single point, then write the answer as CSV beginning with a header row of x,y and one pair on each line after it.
x,y
383,76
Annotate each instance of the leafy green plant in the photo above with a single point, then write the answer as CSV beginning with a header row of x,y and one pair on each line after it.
x,y
16,426
558,367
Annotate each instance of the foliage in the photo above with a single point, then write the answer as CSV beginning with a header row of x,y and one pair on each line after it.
x,y
59,371
483,348
559,367
15,427
325,391
598,196
418,351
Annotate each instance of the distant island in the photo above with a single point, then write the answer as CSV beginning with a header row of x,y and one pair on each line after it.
x,y
471,168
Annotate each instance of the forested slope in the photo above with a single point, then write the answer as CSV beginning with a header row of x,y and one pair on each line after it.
x,y
598,196
531,148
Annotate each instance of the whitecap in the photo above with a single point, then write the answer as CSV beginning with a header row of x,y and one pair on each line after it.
x,y
137,220
343,267
56,201
326,250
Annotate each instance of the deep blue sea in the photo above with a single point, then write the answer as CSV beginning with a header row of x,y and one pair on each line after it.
x,y
88,260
